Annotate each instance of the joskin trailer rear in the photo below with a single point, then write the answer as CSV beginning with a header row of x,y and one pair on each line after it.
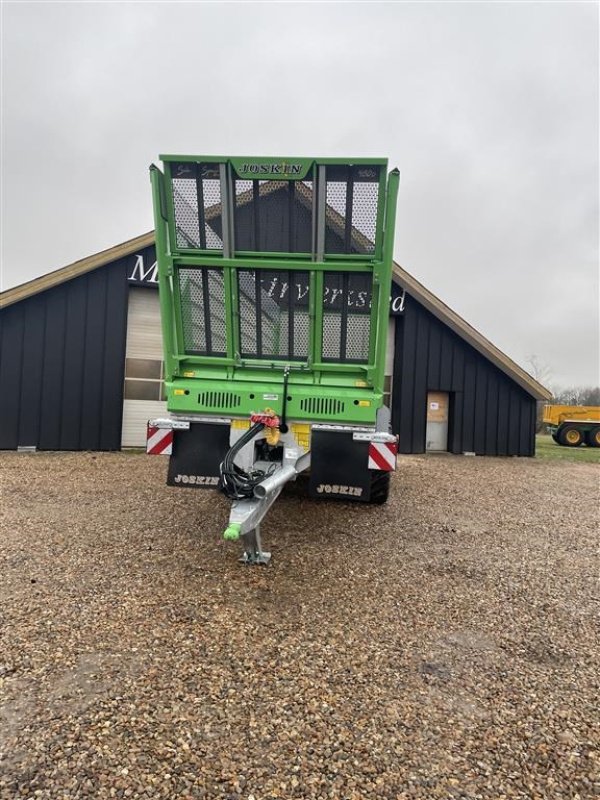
x,y
571,426
274,284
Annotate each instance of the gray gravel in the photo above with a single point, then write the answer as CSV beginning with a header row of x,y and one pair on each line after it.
x,y
443,646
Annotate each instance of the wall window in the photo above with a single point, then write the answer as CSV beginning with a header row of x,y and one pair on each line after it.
x,y
144,379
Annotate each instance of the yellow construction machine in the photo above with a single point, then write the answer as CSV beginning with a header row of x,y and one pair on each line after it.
x,y
571,426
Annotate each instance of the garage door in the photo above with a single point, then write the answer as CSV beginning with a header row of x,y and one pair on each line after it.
x,y
143,395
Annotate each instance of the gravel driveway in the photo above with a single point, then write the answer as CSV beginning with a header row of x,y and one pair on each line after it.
x,y
442,646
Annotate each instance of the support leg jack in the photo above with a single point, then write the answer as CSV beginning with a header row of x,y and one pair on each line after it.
x,y
253,552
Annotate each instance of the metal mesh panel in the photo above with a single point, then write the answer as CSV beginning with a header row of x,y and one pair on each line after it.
x,y
357,340
249,317
211,195
273,216
191,292
277,215
352,207
335,217
245,228
185,201
197,206
301,333
332,340
302,217
274,321
218,327
364,214
346,316
202,294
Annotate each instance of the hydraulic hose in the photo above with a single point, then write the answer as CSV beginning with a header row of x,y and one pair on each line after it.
x,y
236,483
283,427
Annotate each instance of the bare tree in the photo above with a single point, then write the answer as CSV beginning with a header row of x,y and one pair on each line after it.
x,y
569,396
578,396
539,369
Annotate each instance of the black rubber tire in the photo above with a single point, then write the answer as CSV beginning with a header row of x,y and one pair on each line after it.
x,y
380,487
570,436
593,437
299,487
555,437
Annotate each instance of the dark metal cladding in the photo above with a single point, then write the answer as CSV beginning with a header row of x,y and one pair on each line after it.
x,y
62,353
489,413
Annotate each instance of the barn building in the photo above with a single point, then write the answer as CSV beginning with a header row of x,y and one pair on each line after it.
x,y
81,365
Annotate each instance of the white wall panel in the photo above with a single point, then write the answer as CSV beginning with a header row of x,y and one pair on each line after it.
x,y
144,340
144,337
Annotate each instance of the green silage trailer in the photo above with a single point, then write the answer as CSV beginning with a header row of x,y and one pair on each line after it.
x,y
274,285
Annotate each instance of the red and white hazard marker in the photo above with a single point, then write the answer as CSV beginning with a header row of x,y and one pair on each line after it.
x,y
382,455
159,441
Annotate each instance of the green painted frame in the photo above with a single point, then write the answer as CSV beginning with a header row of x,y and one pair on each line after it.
x,y
368,378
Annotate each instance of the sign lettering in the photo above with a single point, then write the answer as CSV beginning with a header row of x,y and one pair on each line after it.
x,y
397,302
143,271
142,274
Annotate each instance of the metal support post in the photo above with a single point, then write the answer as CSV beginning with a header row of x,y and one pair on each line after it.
x,y
253,552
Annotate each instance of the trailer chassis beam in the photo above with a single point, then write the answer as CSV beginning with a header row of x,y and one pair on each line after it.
x,y
246,515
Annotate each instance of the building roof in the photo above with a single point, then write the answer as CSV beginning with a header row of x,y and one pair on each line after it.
x,y
75,269
415,289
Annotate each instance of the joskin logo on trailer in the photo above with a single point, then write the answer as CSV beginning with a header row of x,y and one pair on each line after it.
x,y
269,168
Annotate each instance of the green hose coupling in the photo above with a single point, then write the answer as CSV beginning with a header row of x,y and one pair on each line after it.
x,y
233,532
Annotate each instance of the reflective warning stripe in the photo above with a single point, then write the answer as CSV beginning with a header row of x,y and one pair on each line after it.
x,y
159,441
382,455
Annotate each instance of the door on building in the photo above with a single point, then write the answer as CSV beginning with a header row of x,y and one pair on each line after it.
x,y
437,421
144,370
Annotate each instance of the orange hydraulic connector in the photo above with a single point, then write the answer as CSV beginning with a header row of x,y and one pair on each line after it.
x,y
271,422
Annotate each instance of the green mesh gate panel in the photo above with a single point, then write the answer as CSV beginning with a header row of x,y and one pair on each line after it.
x,y
196,192
270,266
347,316
274,216
274,317
277,216
202,296
352,209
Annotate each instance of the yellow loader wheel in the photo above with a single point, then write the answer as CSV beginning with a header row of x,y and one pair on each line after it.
x,y
593,437
570,436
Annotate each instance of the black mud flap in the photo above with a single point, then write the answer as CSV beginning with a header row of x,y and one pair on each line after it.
x,y
197,453
339,467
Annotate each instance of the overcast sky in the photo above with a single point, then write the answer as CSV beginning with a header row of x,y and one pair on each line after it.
x,y
490,111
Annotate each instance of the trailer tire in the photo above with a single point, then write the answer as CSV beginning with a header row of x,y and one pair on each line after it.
x,y
380,487
299,487
593,437
555,437
570,436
